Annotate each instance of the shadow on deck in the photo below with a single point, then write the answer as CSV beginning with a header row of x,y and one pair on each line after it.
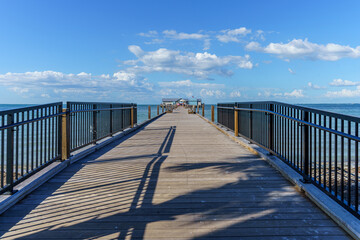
x,y
245,207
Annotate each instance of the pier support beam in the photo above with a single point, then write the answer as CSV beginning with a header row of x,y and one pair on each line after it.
x,y
203,109
149,110
158,110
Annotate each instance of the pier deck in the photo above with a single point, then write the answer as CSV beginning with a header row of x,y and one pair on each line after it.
x,y
178,178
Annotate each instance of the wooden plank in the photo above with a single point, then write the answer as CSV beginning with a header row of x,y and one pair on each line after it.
x,y
178,178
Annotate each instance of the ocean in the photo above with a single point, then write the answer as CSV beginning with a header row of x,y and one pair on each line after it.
x,y
342,108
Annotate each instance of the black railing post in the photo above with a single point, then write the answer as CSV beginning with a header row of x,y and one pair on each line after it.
x,y
111,120
271,127
132,116
94,124
251,123
305,148
10,155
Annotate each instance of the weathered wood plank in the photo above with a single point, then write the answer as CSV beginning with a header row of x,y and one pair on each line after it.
x,y
179,178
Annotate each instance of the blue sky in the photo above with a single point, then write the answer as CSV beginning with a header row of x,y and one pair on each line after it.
x,y
142,51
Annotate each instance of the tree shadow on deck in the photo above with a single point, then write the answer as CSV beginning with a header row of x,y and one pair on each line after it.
x,y
239,207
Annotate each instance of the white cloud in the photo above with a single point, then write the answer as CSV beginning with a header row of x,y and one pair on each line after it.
x,y
206,44
233,35
341,83
212,93
235,94
19,90
189,83
314,86
291,71
45,95
182,36
200,65
296,93
344,93
82,83
150,33
298,48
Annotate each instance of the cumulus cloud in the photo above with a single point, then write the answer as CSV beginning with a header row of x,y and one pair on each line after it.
x,y
303,49
314,86
212,93
235,94
200,65
189,83
344,93
58,82
342,83
189,88
233,35
296,93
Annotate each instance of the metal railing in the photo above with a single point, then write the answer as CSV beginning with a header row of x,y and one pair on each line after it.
x,y
91,122
31,138
320,145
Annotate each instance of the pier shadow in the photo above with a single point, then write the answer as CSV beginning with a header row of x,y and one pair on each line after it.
x,y
242,206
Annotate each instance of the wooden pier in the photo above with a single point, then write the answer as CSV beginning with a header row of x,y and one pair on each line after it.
x,y
177,178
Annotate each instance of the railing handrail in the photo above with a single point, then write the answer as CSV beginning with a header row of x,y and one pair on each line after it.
x,y
349,136
60,114
30,108
308,109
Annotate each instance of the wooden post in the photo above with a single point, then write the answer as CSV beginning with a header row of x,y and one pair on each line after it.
x,y
65,135
158,110
203,109
149,108
132,117
236,123
198,108
212,113
162,106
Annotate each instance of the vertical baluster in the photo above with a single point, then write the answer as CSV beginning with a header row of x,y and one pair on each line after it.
x,y
41,138
320,148
298,140
330,155
27,142
16,145
310,146
356,191
336,160
349,166
324,150
305,142
342,162
315,148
